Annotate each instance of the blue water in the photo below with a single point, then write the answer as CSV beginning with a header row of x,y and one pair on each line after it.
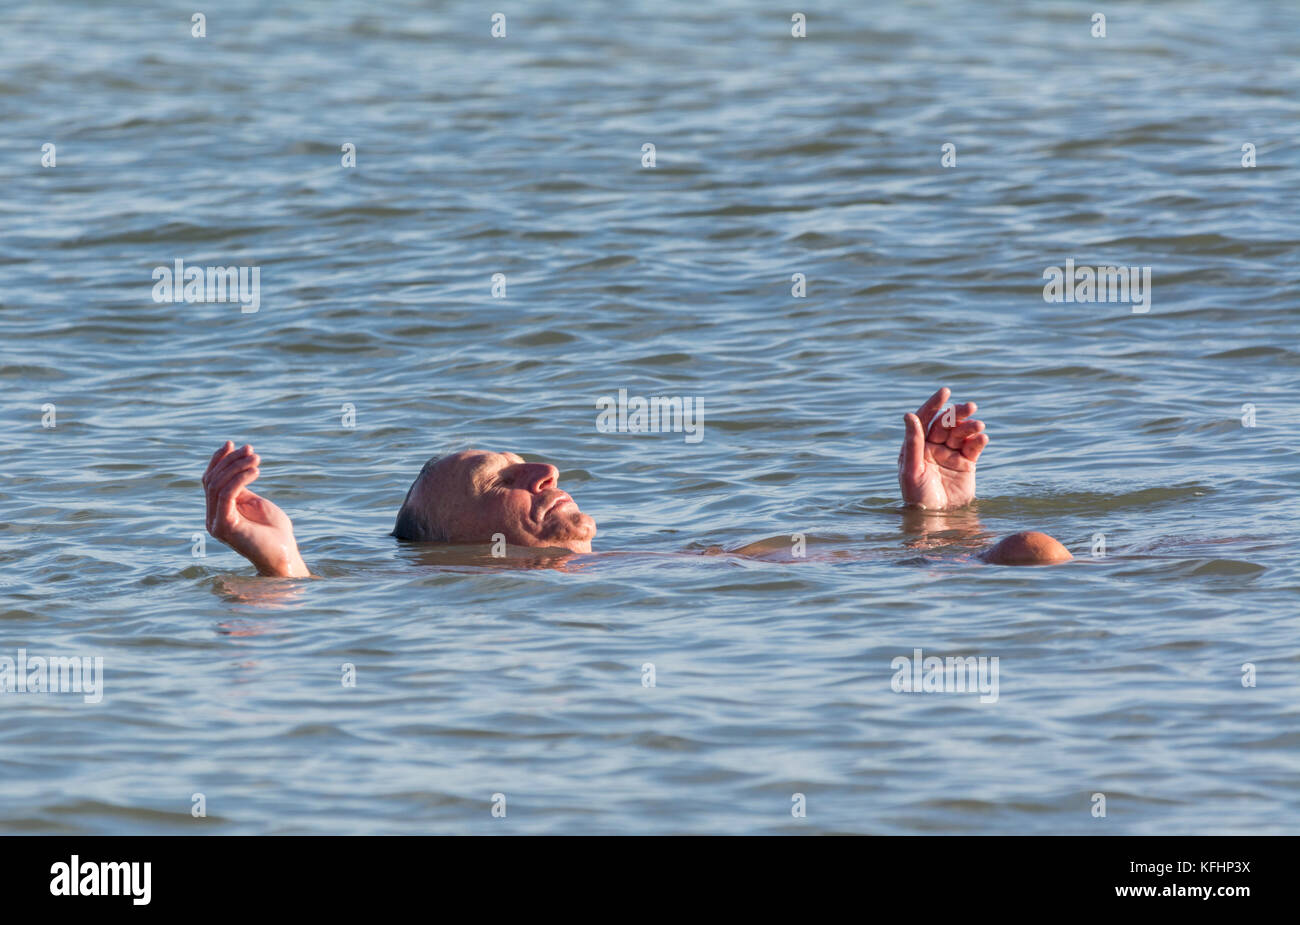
x,y
1120,674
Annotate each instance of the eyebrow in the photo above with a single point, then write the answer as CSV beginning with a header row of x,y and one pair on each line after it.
x,y
477,474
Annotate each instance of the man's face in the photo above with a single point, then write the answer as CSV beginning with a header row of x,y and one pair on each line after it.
x,y
478,493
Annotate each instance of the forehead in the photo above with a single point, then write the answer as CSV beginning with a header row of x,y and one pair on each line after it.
x,y
471,462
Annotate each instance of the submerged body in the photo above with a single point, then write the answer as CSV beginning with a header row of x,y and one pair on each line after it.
x,y
479,497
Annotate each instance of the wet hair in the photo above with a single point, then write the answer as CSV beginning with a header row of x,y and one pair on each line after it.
x,y
413,521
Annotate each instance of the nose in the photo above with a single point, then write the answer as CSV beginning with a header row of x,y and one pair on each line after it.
x,y
541,477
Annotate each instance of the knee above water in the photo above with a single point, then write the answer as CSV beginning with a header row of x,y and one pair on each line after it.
x,y
1027,548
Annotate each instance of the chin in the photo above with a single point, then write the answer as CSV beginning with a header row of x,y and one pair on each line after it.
x,y
573,533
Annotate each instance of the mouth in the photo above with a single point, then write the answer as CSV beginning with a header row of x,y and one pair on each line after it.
x,y
561,498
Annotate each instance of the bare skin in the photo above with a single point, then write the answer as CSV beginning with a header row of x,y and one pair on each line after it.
x,y
246,522
1027,548
936,468
473,496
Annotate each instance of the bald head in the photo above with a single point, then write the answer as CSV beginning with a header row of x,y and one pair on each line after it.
x,y
469,497
417,520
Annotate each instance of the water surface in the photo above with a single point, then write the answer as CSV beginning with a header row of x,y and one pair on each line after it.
x,y
1119,675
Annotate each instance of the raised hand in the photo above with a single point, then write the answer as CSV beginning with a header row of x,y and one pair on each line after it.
x,y
936,465
248,523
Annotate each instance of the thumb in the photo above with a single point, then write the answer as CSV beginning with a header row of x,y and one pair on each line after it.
x,y
913,444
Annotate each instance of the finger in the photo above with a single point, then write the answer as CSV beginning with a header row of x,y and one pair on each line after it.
x,y
972,446
951,418
962,431
931,406
223,468
230,491
963,410
212,478
217,476
228,469
219,455
943,426
913,445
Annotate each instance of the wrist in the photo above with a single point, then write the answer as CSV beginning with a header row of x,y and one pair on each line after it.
x,y
287,563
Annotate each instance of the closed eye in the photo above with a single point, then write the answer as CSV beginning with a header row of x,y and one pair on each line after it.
x,y
506,477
